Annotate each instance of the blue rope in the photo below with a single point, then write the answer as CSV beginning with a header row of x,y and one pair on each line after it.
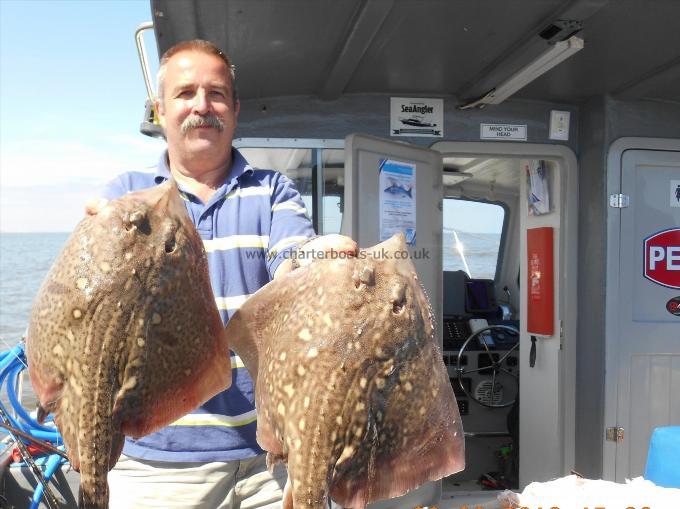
x,y
14,371
12,362
54,461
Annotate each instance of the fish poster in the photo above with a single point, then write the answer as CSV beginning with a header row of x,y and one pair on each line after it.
x,y
397,200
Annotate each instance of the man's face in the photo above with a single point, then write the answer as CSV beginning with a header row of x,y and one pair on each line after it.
x,y
197,110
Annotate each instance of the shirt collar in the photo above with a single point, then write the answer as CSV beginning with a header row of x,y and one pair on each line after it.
x,y
162,169
239,168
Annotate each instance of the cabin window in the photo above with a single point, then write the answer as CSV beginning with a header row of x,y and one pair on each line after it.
x,y
316,167
294,163
333,189
473,231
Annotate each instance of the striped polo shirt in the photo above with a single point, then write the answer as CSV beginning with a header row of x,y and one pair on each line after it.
x,y
246,227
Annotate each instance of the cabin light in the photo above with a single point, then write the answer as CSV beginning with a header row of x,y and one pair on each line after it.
x,y
559,52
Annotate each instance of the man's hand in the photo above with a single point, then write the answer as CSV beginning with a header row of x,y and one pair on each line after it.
x,y
327,246
94,205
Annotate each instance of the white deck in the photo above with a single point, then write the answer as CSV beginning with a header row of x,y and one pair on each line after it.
x,y
468,494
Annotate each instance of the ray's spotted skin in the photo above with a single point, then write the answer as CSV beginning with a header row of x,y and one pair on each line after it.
x,y
124,336
351,388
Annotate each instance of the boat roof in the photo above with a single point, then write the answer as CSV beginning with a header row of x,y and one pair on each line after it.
x,y
451,48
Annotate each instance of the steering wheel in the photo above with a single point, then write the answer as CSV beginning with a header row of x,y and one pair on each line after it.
x,y
493,389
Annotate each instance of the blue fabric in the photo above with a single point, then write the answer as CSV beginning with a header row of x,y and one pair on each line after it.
x,y
663,457
247,227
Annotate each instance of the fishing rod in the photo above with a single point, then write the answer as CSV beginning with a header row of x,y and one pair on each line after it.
x,y
50,499
43,445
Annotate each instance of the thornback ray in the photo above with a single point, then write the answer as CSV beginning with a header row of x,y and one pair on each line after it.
x,y
351,389
125,336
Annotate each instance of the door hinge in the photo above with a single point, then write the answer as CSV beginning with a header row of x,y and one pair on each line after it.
x,y
614,435
619,201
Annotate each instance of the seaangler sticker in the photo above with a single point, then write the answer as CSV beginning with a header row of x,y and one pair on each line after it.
x,y
673,306
416,116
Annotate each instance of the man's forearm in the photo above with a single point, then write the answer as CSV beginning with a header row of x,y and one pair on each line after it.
x,y
303,254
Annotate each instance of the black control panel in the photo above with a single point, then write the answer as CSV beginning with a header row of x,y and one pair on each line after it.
x,y
457,330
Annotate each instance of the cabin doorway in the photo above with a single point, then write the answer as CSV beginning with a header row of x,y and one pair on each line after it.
x,y
486,187
643,282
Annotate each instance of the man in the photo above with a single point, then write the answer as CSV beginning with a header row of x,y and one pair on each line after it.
x,y
250,220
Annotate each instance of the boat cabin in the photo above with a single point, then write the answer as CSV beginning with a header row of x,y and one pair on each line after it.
x,y
531,151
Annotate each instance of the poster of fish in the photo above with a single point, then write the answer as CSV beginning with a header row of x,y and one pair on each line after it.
x,y
397,199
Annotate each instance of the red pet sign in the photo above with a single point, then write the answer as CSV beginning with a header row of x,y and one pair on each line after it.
x,y
662,258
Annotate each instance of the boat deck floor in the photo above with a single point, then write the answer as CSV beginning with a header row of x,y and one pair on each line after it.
x,y
467,494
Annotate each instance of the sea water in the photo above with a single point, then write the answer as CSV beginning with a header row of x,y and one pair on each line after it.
x,y
25,259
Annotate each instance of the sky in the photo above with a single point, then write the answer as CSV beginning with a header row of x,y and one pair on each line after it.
x,y
470,216
71,101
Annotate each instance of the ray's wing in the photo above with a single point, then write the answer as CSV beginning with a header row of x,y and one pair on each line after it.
x,y
414,435
256,333
178,354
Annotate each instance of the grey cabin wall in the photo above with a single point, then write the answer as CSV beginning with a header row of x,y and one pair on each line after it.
x,y
310,117
649,119
590,349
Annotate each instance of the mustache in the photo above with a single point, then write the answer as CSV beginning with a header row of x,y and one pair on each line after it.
x,y
209,120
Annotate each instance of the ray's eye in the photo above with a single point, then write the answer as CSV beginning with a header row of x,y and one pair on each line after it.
x,y
398,298
170,245
169,236
137,220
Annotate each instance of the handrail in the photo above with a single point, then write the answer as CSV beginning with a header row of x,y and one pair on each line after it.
x,y
141,52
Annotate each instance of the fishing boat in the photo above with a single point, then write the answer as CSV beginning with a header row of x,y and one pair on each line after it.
x,y
554,123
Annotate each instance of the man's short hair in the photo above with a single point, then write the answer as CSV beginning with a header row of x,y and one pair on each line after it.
x,y
194,45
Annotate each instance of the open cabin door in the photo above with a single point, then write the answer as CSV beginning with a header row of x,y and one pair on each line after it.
x,y
378,173
366,158
643,325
